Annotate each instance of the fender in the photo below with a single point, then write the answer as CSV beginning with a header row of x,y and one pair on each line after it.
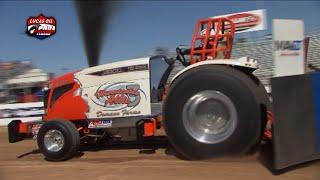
x,y
244,64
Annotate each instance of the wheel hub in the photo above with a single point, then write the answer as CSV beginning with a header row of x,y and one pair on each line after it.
x,y
53,140
209,116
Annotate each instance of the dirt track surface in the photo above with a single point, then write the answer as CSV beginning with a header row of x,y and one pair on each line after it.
x,y
124,164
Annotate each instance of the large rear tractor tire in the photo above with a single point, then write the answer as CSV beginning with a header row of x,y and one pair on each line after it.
x,y
212,111
58,140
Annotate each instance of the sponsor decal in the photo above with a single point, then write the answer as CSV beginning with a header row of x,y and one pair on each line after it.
x,y
124,112
141,67
35,129
100,124
104,114
118,96
288,45
130,113
288,48
41,26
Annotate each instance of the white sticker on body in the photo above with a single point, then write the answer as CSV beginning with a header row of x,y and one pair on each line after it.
x,y
100,124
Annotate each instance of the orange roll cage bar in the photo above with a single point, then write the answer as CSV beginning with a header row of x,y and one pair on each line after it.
x,y
206,45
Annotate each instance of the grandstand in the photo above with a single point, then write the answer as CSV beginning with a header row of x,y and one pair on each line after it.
x,y
21,82
11,68
261,50
313,55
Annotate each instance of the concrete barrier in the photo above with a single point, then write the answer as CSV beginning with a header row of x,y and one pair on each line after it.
x,y
26,112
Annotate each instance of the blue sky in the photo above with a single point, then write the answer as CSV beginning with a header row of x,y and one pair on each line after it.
x,y
136,28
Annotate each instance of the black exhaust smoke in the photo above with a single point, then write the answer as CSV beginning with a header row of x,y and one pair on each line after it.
x,y
93,17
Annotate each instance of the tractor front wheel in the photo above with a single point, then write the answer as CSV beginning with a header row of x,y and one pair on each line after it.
x,y
58,140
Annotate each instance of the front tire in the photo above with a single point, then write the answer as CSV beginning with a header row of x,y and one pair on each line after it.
x,y
58,140
199,99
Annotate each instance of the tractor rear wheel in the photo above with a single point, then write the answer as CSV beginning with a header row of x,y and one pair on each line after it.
x,y
58,140
212,110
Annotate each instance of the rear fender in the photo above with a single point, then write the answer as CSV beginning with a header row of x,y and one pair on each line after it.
x,y
244,64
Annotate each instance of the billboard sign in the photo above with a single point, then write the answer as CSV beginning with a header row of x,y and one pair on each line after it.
x,y
288,47
248,21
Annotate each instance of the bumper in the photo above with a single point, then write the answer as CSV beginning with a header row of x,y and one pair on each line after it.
x,y
17,130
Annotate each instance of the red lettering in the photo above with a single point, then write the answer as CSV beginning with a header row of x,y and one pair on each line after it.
x,y
118,99
100,93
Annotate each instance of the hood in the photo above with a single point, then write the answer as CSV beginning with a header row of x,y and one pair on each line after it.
x,y
62,80
117,64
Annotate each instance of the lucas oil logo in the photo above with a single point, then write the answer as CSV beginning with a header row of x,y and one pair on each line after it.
x,y
119,96
41,27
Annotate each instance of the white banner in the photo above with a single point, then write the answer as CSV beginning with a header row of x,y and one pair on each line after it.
x,y
248,21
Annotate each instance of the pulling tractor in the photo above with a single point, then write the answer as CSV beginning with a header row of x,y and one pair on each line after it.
x,y
214,106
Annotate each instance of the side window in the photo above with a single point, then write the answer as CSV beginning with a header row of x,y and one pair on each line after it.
x,y
59,91
158,70
46,97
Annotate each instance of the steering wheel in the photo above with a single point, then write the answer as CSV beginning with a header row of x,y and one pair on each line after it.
x,y
181,57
